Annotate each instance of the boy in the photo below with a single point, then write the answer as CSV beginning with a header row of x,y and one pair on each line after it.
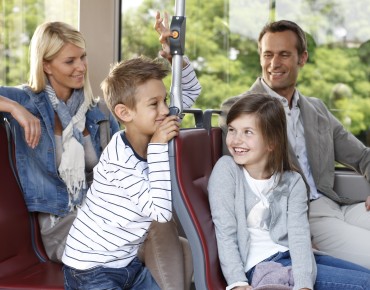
x,y
131,186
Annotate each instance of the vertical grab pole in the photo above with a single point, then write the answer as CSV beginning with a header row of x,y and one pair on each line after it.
x,y
177,46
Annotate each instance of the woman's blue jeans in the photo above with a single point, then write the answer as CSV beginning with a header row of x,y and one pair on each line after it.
x,y
134,276
332,273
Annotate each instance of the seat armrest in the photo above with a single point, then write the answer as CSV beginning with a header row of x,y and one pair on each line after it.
x,y
352,185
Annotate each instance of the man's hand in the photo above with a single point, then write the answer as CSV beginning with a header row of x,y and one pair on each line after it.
x,y
367,203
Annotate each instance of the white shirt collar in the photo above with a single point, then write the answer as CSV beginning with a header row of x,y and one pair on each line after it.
x,y
283,100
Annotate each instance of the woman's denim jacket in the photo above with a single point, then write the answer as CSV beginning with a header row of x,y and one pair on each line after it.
x,y
44,190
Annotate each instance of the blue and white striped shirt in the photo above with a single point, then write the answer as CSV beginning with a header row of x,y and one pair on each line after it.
x,y
127,194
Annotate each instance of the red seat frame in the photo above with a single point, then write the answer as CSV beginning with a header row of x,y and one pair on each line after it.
x,y
22,258
192,164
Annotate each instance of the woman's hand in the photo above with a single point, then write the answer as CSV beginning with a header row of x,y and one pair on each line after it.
x,y
30,124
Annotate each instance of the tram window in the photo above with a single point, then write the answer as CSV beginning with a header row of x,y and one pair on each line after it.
x,y
221,41
18,21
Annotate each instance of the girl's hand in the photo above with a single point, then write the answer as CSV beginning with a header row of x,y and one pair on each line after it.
x,y
243,288
168,129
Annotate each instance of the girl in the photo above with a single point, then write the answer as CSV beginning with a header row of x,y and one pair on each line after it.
x,y
259,206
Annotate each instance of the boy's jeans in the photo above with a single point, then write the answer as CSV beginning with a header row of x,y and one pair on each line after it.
x,y
332,273
134,276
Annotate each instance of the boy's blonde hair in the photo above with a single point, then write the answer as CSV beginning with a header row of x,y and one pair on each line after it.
x,y
120,86
47,41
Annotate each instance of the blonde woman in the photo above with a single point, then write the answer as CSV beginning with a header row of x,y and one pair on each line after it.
x,y
60,119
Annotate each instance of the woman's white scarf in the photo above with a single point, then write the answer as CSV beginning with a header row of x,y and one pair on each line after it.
x,y
72,165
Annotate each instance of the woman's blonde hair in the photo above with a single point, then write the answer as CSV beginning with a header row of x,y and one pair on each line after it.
x,y
48,39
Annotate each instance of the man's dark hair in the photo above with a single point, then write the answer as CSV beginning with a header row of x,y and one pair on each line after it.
x,y
285,25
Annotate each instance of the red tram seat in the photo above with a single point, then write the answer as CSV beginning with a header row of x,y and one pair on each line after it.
x,y
22,266
191,160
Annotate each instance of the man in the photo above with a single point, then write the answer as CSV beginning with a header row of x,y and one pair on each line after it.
x,y
339,226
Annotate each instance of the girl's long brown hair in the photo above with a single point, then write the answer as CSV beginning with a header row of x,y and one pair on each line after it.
x,y
271,121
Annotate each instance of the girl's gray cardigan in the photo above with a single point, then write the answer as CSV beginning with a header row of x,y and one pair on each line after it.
x,y
231,200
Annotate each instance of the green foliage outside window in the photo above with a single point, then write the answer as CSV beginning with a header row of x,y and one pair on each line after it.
x,y
221,42
18,21
227,61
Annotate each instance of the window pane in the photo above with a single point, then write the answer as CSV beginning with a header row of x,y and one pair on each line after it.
x,y
221,40
18,20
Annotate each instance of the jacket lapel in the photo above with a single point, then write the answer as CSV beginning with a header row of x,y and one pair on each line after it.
x,y
310,125
45,109
257,87
311,132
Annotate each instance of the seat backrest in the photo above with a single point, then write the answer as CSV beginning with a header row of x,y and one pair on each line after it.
x,y
16,244
216,144
20,266
192,164
215,133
